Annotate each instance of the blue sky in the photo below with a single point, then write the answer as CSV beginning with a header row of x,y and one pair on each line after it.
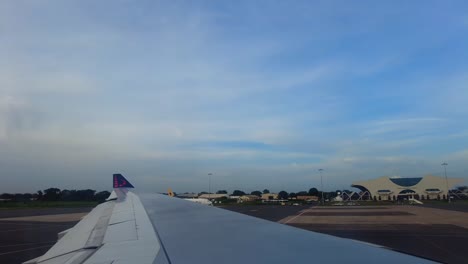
x,y
260,93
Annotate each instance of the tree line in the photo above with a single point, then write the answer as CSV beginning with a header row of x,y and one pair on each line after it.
x,y
55,194
284,194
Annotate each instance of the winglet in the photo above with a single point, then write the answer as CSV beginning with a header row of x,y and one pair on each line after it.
x,y
121,186
121,182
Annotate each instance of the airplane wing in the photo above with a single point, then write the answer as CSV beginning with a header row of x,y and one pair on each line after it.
x,y
154,228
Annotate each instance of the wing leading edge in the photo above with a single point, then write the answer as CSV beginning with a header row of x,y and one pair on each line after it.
x,y
154,228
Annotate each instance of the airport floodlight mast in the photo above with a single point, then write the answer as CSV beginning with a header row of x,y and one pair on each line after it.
x,y
446,180
321,185
209,185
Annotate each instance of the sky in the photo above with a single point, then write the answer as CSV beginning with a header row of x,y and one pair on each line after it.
x,y
261,94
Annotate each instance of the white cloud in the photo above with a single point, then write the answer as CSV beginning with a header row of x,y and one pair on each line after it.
x,y
404,125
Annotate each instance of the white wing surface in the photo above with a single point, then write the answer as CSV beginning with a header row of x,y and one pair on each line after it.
x,y
154,228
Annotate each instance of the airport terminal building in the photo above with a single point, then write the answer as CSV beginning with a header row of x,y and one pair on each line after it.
x,y
395,188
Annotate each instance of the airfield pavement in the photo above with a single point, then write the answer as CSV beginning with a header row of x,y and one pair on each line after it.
x,y
433,233
28,233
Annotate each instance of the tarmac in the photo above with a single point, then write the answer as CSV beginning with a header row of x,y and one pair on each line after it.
x,y
269,212
8,213
453,206
433,233
28,233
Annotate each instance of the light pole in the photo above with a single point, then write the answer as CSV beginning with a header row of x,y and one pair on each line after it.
x,y
446,180
209,186
321,184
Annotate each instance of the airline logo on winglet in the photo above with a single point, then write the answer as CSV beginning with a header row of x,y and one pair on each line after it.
x,y
121,182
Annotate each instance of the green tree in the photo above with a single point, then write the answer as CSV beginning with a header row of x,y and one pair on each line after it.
x,y
27,196
85,195
19,197
52,194
283,195
238,193
7,196
68,195
302,193
292,195
313,191
257,193
266,191
221,192
40,195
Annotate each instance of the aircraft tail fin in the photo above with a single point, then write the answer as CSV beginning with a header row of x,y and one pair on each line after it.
x,y
121,182
170,192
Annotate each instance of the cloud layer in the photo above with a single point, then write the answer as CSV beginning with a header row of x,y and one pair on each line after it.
x,y
260,94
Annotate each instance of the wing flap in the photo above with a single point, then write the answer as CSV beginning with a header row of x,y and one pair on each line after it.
x,y
79,236
121,232
123,211
132,241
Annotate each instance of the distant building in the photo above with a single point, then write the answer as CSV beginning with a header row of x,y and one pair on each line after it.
x,y
187,195
248,198
307,198
393,188
213,196
269,196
